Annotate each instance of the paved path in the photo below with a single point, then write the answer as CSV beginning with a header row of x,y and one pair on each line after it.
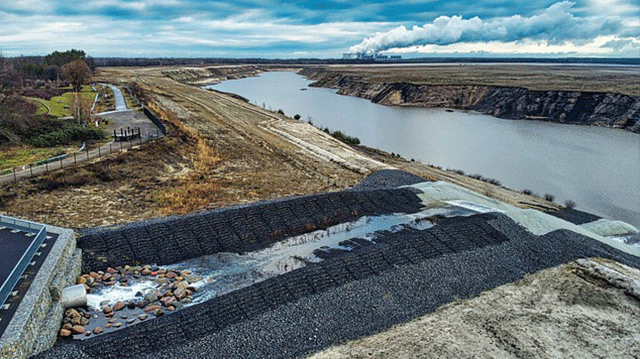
x,y
120,118
121,104
134,118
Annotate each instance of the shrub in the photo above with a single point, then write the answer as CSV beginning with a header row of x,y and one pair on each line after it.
x,y
569,204
66,136
297,117
528,192
549,197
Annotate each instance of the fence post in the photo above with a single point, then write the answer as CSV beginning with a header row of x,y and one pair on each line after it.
x,y
31,169
15,179
60,162
87,152
110,149
99,153
46,166
75,159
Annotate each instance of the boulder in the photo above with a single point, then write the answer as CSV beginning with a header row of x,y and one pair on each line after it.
x,y
77,329
118,306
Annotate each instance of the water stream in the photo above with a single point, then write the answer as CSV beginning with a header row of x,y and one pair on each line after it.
x,y
225,272
598,168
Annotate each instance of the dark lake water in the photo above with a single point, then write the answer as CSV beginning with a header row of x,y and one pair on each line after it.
x,y
598,168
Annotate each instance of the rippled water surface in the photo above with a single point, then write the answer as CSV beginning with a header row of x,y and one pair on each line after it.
x,y
598,168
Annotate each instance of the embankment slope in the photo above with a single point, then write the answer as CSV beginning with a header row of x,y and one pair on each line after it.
x,y
562,104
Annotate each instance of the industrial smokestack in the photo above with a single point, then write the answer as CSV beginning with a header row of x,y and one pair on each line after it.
x,y
556,25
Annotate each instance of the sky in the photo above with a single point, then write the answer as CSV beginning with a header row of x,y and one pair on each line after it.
x,y
315,29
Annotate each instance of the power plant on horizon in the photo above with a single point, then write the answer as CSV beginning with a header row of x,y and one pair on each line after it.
x,y
370,56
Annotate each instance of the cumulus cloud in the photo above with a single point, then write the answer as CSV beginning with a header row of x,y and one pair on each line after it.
x,y
555,25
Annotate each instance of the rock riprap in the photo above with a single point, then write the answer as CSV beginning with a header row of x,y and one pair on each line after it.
x,y
168,291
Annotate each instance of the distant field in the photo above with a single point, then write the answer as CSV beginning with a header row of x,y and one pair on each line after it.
x,y
617,79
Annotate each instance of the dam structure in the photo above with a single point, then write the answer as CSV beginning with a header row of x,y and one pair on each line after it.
x,y
461,244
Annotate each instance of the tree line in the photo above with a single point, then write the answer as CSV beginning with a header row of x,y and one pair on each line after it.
x,y
22,76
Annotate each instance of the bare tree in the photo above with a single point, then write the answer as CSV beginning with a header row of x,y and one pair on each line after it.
x,y
15,112
77,73
81,108
9,79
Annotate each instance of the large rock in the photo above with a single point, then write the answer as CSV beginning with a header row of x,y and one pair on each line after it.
x,y
77,329
119,306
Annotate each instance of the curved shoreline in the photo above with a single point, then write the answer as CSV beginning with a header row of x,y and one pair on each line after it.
x,y
568,107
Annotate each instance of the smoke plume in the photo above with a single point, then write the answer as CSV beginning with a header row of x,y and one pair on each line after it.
x,y
556,25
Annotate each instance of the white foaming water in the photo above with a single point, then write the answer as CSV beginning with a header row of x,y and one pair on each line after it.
x,y
117,292
224,272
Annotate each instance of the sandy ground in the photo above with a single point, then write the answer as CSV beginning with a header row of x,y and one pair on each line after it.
x,y
571,311
222,151
219,151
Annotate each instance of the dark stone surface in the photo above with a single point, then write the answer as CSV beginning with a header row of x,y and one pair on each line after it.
x,y
363,297
236,229
385,179
574,216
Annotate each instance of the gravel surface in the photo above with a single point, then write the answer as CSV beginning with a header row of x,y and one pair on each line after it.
x,y
234,229
386,179
355,309
574,216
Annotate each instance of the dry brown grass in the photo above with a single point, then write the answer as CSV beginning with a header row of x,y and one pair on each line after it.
x,y
613,79
195,189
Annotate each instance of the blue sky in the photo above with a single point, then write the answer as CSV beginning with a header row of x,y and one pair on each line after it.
x,y
292,29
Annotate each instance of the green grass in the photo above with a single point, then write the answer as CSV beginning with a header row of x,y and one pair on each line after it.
x,y
60,106
17,157
42,106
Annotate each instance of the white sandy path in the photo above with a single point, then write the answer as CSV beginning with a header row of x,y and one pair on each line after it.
x,y
536,222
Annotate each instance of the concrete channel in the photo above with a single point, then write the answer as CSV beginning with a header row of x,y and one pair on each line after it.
x,y
391,278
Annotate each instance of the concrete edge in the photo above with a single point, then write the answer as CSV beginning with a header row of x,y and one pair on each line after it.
x,y
22,331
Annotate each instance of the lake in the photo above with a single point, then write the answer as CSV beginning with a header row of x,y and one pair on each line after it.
x,y
598,168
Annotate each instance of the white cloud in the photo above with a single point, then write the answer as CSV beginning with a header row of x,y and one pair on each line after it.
x,y
555,26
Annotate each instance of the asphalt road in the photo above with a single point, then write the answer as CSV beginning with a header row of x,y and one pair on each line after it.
x,y
121,104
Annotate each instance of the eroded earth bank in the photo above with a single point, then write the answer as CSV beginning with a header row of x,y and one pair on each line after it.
x,y
564,94
222,151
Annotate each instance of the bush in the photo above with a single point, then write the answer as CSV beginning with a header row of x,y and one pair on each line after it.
x,y
297,117
549,197
66,136
569,204
528,192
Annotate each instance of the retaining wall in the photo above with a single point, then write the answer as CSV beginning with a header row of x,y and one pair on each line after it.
x,y
235,229
394,250
155,120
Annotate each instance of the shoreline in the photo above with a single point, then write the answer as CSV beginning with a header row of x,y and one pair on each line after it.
x,y
590,108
